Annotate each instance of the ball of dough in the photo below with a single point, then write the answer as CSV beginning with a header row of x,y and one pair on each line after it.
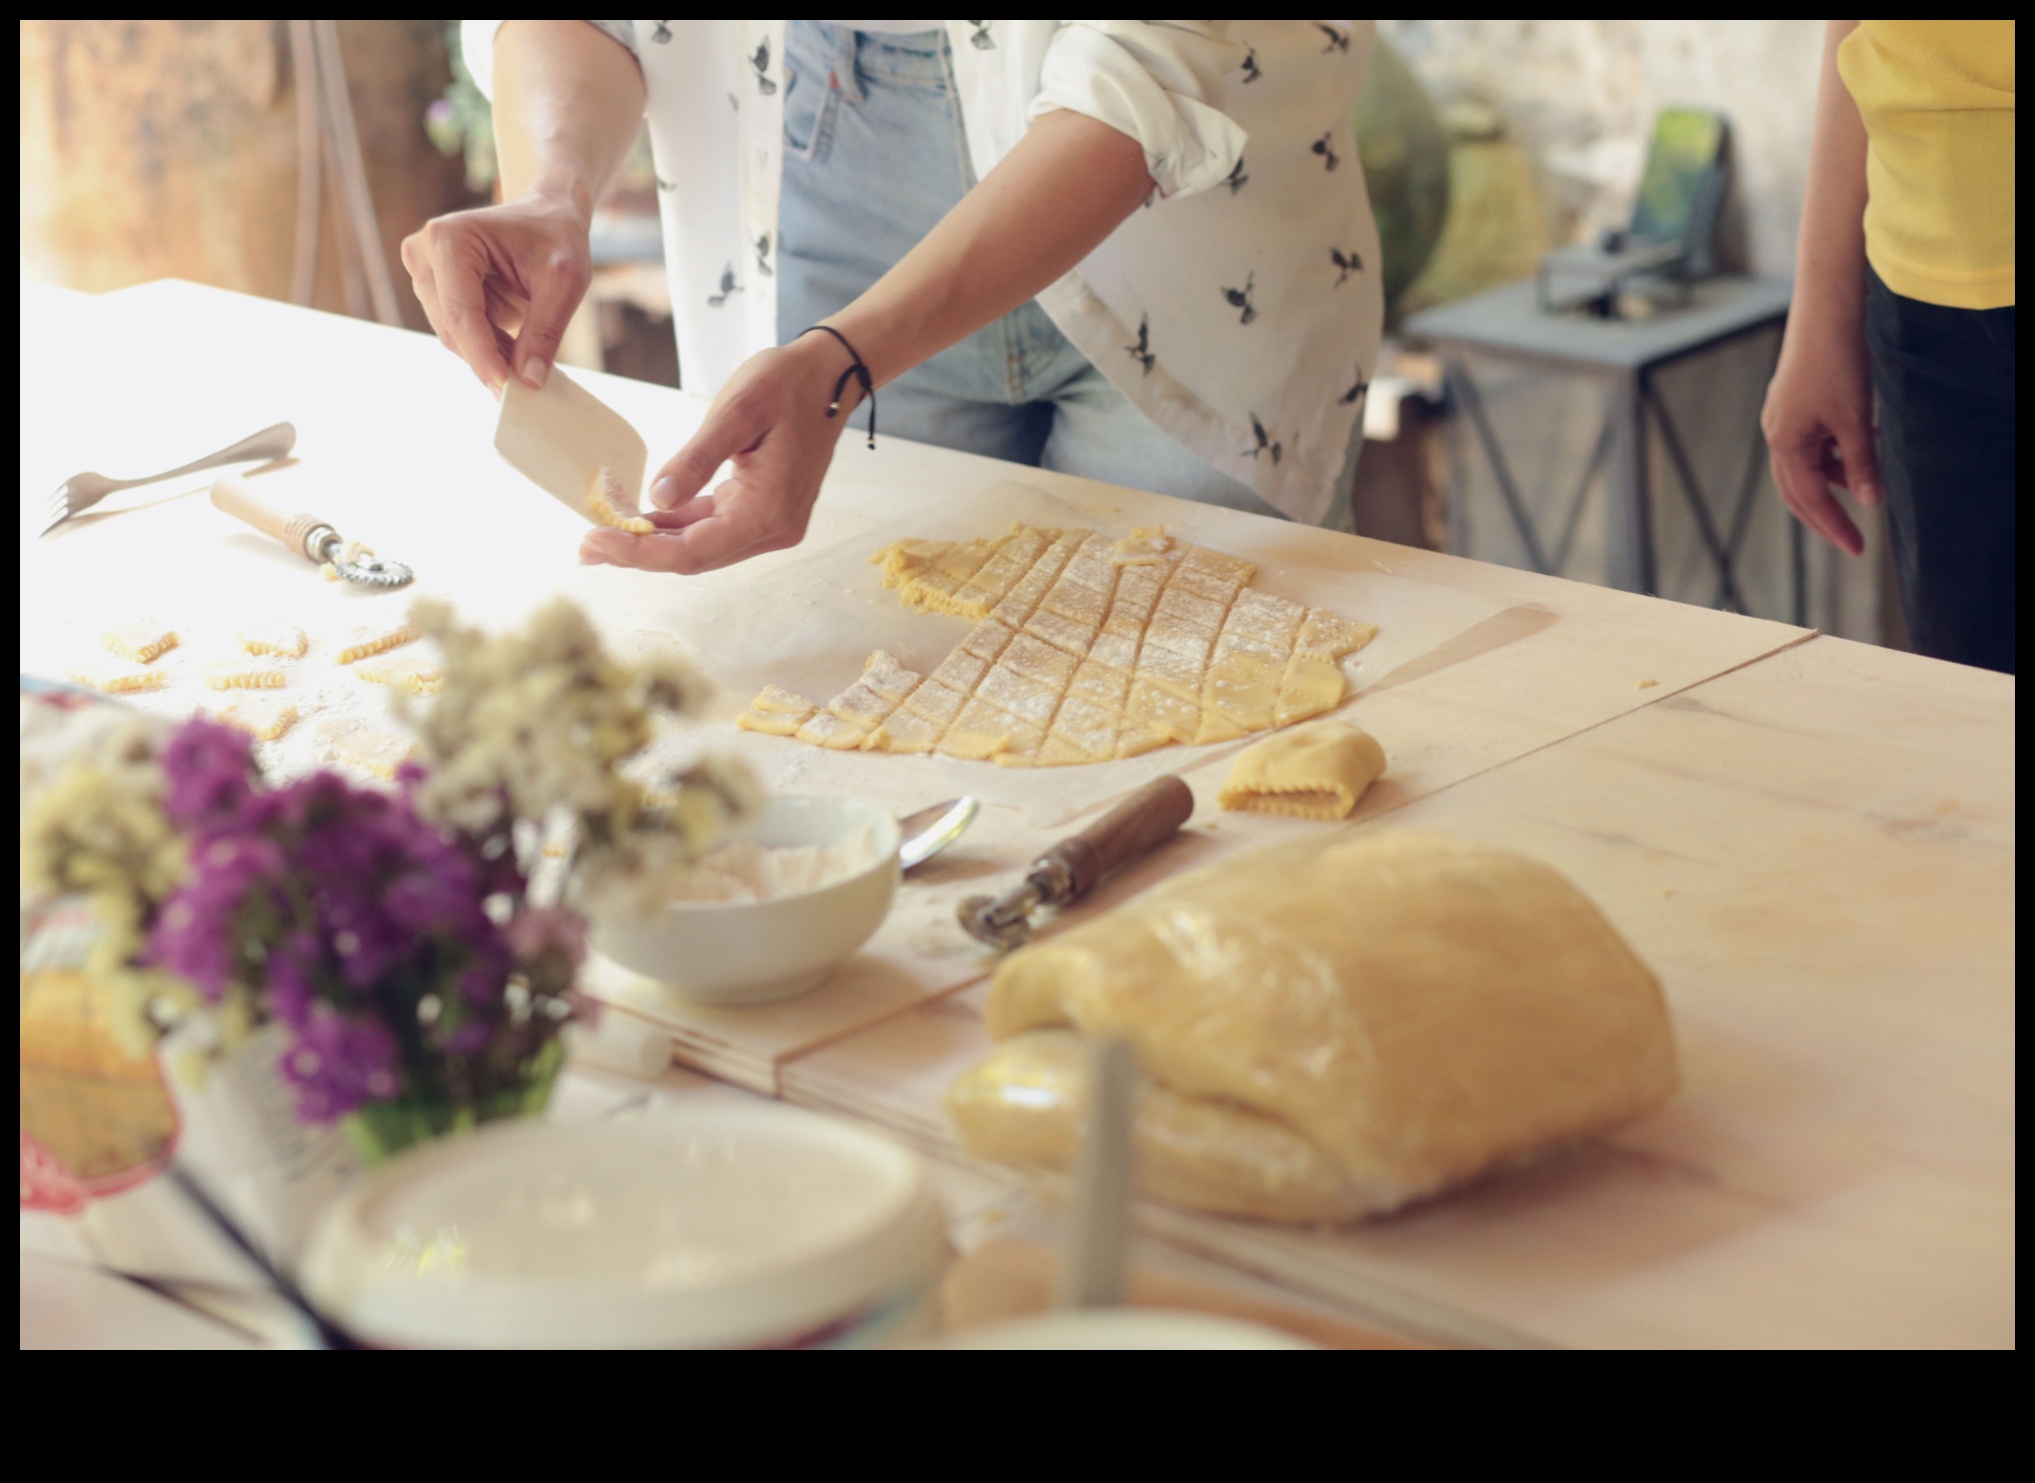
x,y
1421,1009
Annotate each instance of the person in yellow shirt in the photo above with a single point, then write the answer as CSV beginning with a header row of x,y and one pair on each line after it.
x,y
1904,298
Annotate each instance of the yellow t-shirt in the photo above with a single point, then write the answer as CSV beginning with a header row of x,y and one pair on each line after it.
x,y
1937,98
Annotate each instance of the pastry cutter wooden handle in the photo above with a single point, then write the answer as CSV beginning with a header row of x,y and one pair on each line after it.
x,y
1073,867
307,535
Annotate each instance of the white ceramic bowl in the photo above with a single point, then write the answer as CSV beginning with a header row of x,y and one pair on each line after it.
x,y
730,1226
754,952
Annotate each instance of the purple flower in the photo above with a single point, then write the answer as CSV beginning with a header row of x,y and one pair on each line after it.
x,y
470,1039
203,923
208,767
337,1063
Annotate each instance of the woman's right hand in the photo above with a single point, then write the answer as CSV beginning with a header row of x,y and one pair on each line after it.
x,y
499,283
1818,422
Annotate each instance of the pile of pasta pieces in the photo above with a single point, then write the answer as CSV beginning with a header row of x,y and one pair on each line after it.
x,y
253,685
1085,649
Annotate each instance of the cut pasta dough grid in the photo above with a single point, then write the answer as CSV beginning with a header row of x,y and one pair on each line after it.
x,y
1085,649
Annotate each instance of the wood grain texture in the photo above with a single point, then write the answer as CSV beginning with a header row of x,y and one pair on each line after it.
x,y
1815,853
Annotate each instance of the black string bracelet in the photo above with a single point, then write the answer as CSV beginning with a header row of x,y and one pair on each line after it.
x,y
858,372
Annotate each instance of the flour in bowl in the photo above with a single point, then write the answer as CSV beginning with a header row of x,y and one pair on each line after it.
x,y
743,870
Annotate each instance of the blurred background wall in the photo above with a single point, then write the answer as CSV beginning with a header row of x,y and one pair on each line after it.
x,y
168,149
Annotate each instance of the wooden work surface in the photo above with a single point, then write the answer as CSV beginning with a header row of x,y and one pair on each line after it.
x,y
1833,827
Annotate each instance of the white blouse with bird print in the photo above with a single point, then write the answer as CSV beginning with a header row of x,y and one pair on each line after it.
x,y
1240,309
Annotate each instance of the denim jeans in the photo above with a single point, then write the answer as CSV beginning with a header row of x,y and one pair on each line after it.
x,y
874,157
1944,382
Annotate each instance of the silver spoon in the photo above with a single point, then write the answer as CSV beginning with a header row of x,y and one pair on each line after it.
x,y
931,830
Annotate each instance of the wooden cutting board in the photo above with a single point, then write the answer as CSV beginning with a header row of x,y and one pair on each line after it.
x,y
1815,853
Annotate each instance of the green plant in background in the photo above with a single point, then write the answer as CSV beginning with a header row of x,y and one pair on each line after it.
x,y
1405,151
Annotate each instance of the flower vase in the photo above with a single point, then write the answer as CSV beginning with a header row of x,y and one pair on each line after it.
x,y
380,1130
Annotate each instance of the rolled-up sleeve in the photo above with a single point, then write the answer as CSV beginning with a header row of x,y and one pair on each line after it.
x,y
477,46
1152,80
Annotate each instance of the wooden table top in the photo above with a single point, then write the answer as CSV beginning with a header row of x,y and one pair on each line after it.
x,y
1811,841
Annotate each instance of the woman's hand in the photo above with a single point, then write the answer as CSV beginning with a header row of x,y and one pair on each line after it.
x,y
770,421
1819,427
500,283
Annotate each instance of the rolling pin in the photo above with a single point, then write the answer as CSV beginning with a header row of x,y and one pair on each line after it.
x,y
1074,867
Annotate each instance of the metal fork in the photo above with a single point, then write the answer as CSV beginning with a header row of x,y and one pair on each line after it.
x,y
80,492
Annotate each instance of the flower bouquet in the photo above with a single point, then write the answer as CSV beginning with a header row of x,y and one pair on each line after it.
x,y
413,951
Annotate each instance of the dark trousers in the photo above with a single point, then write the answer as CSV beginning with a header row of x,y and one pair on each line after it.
x,y
1944,381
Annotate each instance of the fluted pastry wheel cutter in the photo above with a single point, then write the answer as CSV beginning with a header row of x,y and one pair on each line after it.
x,y
307,535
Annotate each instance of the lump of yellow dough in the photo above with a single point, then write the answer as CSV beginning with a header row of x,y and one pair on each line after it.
x,y
420,674
117,679
139,641
1422,1010
1026,1105
248,673
1318,771
285,640
1146,545
776,712
605,502
376,638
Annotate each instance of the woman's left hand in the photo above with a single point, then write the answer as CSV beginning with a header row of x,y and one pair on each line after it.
x,y
770,421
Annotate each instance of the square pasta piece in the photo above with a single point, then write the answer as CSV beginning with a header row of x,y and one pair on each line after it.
x,y
1207,585
140,641
419,674
1261,612
988,587
961,671
1114,650
1218,564
1027,656
1327,635
987,639
1138,589
978,733
1126,623
861,705
1216,727
1088,728
1238,640
1170,671
376,638
776,712
265,717
1184,609
1018,604
1179,720
936,702
247,673
1164,637
1069,635
1074,600
274,637
902,731
1059,752
116,679
1099,684
1018,696
1310,686
1135,738
824,729
1245,688
887,677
